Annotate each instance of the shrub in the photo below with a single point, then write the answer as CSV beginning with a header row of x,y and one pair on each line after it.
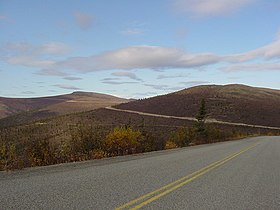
x,y
98,154
85,139
147,142
170,145
181,137
8,157
122,141
40,153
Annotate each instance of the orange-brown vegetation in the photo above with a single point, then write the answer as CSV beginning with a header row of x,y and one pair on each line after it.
x,y
104,133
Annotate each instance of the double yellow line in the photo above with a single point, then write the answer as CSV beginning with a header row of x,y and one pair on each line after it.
x,y
156,194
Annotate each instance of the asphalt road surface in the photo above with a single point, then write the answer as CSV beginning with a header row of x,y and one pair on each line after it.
x,y
242,174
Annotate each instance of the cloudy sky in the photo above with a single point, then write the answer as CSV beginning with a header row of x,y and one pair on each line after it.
x,y
136,49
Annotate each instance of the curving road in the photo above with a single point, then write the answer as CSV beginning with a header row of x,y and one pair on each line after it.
x,y
191,118
240,174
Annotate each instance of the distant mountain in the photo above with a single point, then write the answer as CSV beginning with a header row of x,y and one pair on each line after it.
x,y
43,107
232,103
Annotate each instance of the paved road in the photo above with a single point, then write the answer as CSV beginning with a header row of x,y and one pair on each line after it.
x,y
192,119
242,174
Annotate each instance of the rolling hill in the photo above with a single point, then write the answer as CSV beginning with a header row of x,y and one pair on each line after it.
x,y
43,140
27,109
231,103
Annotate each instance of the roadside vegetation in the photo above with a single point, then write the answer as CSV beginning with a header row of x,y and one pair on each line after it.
x,y
104,133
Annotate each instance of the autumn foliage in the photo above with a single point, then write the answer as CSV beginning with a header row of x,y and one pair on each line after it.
x,y
95,136
122,141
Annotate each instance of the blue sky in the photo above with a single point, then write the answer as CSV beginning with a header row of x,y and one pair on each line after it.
x,y
136,49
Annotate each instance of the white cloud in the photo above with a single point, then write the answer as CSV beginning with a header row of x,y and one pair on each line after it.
x,y
30,61
110,82
269,51
252,67
57,73
51,72
202,8
25,48
156,57
126,74
72,78
84,20
140,57
54,48
110,79
68,87
130,58
162,76
15,49
29,55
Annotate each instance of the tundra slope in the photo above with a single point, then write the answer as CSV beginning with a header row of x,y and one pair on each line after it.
x,y
228,103
193,119
18,111
61,104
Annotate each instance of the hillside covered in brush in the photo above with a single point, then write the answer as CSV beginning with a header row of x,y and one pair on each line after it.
x,y
231,103
27,109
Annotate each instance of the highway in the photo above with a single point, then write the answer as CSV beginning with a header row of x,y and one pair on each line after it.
x,y
242,174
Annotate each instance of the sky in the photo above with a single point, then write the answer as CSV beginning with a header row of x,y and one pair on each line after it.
x,y
136,49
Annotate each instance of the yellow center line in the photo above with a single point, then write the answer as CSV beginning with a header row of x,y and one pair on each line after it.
x,y
169,185
180,182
